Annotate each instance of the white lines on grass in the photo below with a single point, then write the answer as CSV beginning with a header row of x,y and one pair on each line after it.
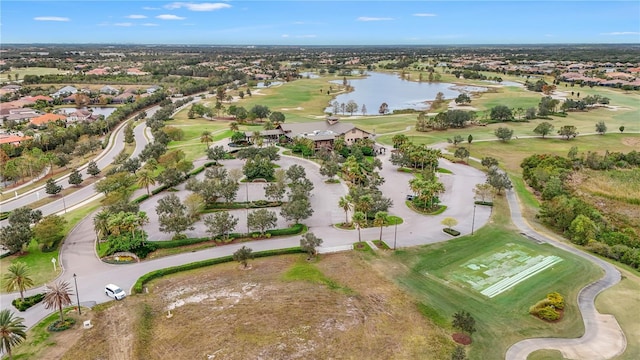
x,y
506,284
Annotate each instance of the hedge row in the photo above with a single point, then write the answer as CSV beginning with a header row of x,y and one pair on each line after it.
x,y
486,203
4,215
292,230
451,232
241,205
138,286
28,302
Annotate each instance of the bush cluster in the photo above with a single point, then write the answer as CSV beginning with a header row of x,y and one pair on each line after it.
x,y
28,302
547,308
59,325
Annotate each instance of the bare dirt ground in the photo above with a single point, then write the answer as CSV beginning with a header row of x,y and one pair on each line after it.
x,y
224,312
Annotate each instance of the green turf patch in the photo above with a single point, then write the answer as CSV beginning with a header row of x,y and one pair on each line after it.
x,y
436,277
495,272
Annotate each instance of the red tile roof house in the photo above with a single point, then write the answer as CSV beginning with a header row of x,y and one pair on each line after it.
x,y
13,139
47,118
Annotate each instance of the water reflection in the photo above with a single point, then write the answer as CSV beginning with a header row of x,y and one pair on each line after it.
x,y
378,88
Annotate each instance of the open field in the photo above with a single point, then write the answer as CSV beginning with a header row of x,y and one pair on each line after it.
x,y
21,72
283,307
511,153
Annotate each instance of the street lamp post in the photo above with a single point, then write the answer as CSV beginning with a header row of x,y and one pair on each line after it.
x,y
395,233
247,191
77,295
64,204
473,220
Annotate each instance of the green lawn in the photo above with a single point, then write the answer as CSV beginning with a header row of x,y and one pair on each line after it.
x,y
511,153
503,319
21,72
39,264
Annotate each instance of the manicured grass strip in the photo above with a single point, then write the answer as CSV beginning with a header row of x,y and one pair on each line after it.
x,y
138,286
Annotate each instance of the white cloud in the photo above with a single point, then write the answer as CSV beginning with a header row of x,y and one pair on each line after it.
x,y
150,8
136,16
285,35
366,18
170,17
127,24
424,15
616,33
150,24
51,18
198,6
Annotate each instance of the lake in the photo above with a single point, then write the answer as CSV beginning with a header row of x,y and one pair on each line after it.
x,y
378,88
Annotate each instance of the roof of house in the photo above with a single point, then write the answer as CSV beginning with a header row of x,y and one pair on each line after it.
x,y
39,97
48,117
338,128
13,139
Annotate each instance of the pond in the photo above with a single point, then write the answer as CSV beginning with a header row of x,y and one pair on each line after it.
x,y
262,85
378,88
96,110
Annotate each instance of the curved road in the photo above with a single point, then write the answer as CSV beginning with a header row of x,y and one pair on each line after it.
x,y
78,251
603,338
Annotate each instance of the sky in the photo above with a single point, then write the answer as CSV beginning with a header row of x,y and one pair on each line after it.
x,y
326,22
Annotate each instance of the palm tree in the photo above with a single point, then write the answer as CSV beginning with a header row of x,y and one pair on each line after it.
x,y
346,205
100,223
17,278
360,219
234,126
145,179
205,137
381,218
12,331
58,295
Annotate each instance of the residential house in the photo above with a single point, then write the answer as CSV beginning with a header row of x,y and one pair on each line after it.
x,y
47,118
80,116
14,140
19,115
65,91
324,133
110,90
152,89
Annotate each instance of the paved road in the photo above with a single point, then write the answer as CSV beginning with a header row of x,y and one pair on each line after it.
x,y
603,338
78,251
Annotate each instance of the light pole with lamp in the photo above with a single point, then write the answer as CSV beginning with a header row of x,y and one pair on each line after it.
x,y
77,295
473,220
64,203
247,193
395,233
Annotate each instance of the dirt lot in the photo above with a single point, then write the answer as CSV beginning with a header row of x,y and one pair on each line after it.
x,y
225,312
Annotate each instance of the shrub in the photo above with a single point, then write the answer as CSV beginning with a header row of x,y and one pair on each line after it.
x,y
485,203
548,313
556,300
547,308
62,325
28,301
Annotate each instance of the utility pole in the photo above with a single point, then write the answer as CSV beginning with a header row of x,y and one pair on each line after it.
x,y
395,233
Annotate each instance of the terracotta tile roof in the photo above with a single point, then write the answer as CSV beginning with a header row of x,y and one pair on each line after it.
x,y
43,119
39,97
13,139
